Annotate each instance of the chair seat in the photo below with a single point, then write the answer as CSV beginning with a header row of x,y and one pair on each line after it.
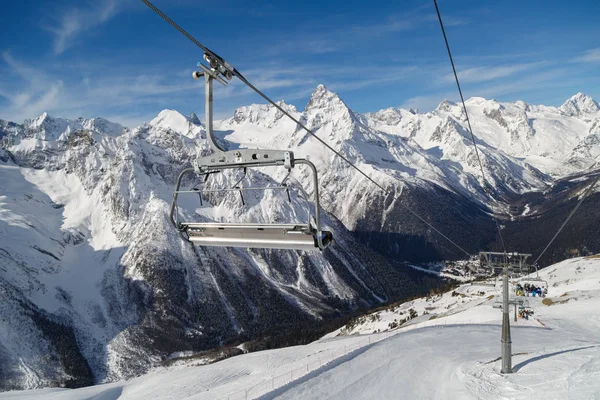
x,y
270,236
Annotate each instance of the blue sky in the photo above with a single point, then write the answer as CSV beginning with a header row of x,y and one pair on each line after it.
x,y
119,60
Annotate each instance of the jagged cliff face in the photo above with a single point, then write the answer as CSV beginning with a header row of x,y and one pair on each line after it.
x,y
95,285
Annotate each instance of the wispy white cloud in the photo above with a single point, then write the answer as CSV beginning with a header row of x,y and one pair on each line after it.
x,y
75,21
33,94
22,70
407,21
340,38
132,97
121,94
590,56
448,20
391,25
33,91
374,79
488,73
305,45
529,84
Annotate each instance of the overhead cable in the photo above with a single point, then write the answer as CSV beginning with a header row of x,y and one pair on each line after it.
x,y
585,194
241,77
235,72
462,99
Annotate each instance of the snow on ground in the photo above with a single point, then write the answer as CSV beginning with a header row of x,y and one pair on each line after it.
x,y
453,355
81,210
457,362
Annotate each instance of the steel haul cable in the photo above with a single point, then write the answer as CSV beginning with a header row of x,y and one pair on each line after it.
x,y
585,194
235,72
485,184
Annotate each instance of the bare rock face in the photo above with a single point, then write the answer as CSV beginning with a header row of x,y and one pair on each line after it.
x,y
580,105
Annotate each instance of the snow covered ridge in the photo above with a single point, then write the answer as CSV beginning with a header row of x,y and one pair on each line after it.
x,y
48,128
455,355
544,137
524,147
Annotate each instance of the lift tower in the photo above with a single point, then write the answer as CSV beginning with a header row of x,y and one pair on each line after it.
x,y
505,263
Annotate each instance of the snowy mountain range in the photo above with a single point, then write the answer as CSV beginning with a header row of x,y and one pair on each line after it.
x,y
96,285
535,158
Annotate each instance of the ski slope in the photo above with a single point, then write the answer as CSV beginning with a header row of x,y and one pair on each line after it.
x,y
454,355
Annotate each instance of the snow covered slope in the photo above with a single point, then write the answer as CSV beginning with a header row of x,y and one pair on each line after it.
x,y
555,356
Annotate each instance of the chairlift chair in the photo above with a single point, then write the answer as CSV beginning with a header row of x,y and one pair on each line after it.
x,y
524,307
535,281
296,236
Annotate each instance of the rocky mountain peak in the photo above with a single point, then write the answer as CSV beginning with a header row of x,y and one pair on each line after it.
x,y
446,105
194,119
322,97
101,125
48,128
174,121
389,116
39,121
580,104
261,114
